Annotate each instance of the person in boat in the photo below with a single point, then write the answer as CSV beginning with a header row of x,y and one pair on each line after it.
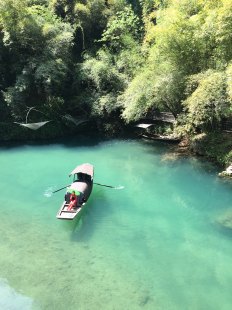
x,y
73,201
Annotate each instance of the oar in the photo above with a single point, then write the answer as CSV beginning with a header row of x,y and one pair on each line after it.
x,y
115,187
104,185
61,188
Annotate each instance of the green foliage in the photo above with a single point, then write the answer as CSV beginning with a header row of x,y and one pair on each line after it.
x,y
121,26
229,80
209,102
137,97
184,41
214,145
16,96
50,75
101,74
89,18
38,45
109,72
154,89
105,106
121,59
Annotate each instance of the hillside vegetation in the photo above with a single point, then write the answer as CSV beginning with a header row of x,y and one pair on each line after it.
x,y
118,59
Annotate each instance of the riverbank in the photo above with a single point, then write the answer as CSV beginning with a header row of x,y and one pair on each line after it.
x,y
10,131
216,147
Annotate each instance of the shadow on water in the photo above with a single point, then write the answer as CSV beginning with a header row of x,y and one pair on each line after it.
x,y
225,231
86,139
171,155
226,182
80,140
83,228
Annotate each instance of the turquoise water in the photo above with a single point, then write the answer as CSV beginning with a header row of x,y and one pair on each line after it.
x,y
155,244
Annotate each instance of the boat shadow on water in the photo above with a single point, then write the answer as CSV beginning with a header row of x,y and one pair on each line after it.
x,y
83,227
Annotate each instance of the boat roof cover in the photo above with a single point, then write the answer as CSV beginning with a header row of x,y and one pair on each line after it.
x,y
84,168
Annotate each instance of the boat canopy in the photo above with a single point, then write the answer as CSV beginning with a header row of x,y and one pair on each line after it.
x,y
78,187
84,168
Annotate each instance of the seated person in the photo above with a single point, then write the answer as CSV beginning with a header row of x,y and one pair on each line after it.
x,y
73,201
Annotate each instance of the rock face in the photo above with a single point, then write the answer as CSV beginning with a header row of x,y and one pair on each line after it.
x,y
229,170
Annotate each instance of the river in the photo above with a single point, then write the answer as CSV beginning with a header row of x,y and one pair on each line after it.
x,y
153,244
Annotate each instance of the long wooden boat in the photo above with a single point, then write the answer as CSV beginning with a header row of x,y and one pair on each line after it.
x,y
82,186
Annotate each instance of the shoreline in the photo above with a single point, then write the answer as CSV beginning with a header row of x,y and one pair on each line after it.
x,y
215,147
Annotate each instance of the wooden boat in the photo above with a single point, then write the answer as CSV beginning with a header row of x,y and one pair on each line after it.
x,y
82,186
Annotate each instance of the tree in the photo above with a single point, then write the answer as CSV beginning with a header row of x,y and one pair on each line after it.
x,y
121,26
39,45
102,76
109,72
157,88
208,101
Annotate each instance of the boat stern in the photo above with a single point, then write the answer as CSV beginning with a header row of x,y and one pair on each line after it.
x,y
65,214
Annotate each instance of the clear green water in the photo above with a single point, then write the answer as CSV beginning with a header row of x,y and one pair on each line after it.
x,y
152,245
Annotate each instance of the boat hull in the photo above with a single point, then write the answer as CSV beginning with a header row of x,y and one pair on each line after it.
x,y
84,187
65,214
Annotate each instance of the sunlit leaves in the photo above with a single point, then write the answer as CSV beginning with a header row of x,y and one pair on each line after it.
x,y
160,89
123,24
109,72
38,44
137,97
209,102
103,73
140,55
191,37
229,81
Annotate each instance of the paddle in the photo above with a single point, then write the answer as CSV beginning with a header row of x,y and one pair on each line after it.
x,y
104,185
115,187
61,188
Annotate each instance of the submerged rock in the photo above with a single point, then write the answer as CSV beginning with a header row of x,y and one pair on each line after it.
x,y
144,300
225,219
170,157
